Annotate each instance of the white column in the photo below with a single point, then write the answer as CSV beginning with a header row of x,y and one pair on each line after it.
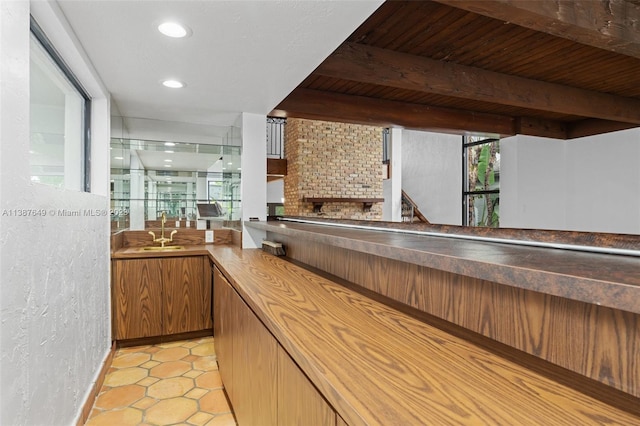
x,y
393,186
201,190
152,205
136,192
253,187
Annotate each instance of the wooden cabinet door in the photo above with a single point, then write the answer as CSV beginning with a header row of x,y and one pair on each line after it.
x,y
299,403
255,363
137,298
222,321
184,294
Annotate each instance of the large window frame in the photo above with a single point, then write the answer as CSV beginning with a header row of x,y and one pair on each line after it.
x,y
85,145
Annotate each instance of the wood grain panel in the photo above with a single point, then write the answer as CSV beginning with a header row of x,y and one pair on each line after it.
x,y
137,298
206,314
222,327
184,294
255,361
376,365
598,342
340,421
222,236
117,240
299,403
236,238
184,236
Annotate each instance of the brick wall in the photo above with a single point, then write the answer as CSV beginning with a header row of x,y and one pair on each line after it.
x,y
326,159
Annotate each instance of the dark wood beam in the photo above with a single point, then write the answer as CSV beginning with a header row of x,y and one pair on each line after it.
x,y
606,24
276,166
357,62
592,127
319,105
533,126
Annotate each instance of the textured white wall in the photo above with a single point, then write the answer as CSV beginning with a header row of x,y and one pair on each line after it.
x,y
432,174
585,184
54,269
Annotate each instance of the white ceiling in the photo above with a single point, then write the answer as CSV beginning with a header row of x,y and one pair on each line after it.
x,y
243,56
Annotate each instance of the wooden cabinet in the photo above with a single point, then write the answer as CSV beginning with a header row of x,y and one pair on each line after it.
x,y
247,357
223,313
160,296
263,383
137,298
299,402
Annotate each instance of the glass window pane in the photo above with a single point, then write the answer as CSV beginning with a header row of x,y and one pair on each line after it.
x,y
484,210
56,122
483,167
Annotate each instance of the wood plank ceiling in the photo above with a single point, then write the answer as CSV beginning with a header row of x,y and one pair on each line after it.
x,y
560,69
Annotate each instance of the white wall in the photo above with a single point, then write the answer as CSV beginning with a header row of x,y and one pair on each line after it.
x,y
585,184
275,191
392,187
254,176
432,174
54,269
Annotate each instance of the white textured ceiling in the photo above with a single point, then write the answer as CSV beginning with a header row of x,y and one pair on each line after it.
x,y
243,56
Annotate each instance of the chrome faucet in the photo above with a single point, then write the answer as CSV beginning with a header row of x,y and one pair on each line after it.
x,y
162,240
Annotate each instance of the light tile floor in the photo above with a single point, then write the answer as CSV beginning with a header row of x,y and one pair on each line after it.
x,y
173,383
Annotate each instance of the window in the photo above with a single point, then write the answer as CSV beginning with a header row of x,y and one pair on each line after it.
x,y
59,117
481,182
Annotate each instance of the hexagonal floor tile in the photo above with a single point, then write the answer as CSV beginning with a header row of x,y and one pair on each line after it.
x,y
170,354
204,349
121,396
171,411
170,388
206,363
125,376
126,417
222,420
170,369
209,380
130,360
215,402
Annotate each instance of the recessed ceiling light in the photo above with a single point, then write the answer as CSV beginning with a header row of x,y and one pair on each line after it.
x,y
173,84
169,152
167,165
174,29
229,163
169,144
167,160
117,158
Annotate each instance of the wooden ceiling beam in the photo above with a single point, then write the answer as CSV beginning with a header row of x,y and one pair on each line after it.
x,y
533,126
592,127
372,65
319,105
612,25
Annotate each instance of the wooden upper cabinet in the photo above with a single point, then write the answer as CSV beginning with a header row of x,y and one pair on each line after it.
x,y
137,298
161,296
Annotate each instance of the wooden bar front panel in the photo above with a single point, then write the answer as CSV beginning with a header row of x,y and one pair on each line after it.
x,y
598,342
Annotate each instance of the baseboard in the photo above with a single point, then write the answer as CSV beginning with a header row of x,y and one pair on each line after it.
x,y
96,386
